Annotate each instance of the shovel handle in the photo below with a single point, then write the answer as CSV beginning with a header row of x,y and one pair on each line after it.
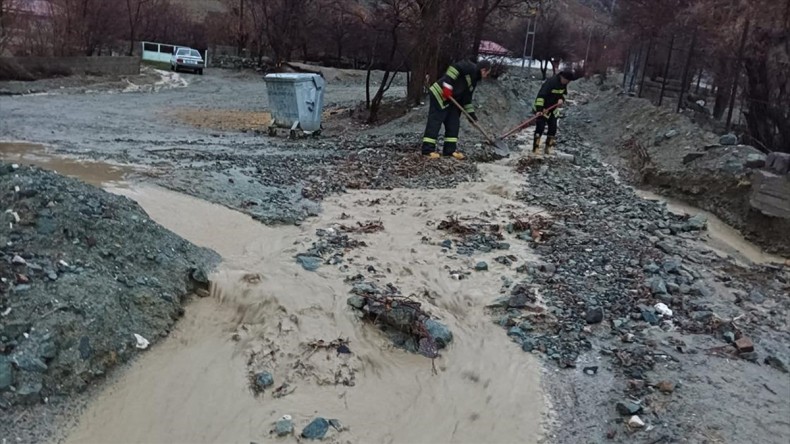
x,y
472,121
527,122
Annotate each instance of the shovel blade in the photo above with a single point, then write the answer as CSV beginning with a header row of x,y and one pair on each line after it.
x,y
501,149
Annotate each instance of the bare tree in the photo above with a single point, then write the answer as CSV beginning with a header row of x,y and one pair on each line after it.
x,y
8,14
137,10
426,35
389,18
484,9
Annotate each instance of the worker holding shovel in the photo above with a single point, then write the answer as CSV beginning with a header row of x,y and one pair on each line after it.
x,y
547,109
450,96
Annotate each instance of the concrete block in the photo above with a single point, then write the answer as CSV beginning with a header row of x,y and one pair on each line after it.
x,y
778,163
771,194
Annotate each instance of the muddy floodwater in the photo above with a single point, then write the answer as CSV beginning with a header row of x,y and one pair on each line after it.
x,y
94,173
194,386
721,237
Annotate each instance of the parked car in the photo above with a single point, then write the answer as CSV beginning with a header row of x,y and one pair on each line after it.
x,y
187,58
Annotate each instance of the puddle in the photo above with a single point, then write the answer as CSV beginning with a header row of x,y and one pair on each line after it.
x,y
722,238
193,387
93,172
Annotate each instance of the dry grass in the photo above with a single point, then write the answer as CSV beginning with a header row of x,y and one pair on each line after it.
x,y
223,119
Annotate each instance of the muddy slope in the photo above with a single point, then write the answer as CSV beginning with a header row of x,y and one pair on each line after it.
x,y
83,271
667,152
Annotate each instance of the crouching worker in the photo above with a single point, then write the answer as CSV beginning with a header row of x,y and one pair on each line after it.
x,y
458,82
551,93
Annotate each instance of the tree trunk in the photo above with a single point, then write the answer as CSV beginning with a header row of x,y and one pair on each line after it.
x,y
544,66
766,125
424,58
480,23
375,104
131,41
367,85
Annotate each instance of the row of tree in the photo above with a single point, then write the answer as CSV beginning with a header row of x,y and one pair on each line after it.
x,y
740,48
92,27
418,36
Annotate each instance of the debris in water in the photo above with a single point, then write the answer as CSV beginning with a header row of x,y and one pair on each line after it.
x,y
284,426
453,225
409,326
309,263
336,425
283,390
316,429
263,380
337,344
366,227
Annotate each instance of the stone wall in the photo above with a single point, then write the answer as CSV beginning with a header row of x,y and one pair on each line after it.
x,y
43,67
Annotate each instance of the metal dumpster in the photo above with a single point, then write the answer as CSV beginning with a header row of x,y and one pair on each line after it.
x,y
296,100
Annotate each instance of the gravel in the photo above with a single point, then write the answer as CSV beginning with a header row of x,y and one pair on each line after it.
x,y
81,272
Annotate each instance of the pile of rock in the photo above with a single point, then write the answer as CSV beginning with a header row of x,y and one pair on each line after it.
x,y
86,281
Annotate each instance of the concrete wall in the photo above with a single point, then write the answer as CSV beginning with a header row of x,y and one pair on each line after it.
x,y
41,67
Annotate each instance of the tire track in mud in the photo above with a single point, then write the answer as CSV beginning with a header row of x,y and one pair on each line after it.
x,y
266,311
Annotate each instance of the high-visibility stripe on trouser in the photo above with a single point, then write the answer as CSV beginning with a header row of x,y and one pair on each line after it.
x,y
428,140
469,108
451,139
436,90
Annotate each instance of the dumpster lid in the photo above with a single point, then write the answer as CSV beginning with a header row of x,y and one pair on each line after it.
x,y
290,77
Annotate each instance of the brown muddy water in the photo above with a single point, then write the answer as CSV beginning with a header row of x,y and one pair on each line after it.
x,y
94,173
264,310
720,237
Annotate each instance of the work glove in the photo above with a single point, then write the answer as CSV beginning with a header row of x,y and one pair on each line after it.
x,y
447,90
473,115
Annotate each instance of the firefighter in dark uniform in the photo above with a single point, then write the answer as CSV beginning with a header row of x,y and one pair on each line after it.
x,y
551,93
458,82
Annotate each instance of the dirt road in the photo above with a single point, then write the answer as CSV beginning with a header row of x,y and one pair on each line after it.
x,y
132,121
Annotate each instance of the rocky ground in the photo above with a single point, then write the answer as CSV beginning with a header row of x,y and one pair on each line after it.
x,y
647,334
87,279
665,151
